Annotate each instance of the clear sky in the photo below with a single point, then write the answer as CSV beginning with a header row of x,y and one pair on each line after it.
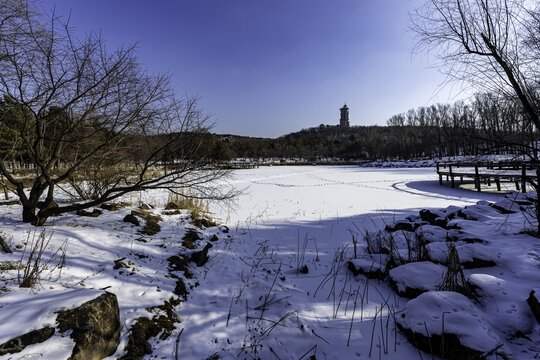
x,y
269,67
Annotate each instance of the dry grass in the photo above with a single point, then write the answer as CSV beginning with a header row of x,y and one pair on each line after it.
x,y
199,208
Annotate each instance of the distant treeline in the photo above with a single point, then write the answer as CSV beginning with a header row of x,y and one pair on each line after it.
x,y
485,124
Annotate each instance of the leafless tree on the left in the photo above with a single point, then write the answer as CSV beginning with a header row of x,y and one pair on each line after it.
x,y
91,121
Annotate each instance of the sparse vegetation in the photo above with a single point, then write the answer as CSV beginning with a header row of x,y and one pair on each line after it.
x,y
454,279
32,264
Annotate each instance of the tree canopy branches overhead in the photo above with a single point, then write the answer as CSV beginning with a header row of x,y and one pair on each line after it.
x,y
492,44
77,111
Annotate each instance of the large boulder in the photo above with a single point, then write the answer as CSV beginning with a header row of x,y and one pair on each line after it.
x,y
95,327
464,335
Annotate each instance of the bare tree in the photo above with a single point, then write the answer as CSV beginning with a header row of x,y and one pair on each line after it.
x,y
492,44
86,113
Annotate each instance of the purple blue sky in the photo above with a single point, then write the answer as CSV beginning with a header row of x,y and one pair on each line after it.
x,y
269,67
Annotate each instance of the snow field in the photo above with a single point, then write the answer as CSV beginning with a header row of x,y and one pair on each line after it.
x,y
252,299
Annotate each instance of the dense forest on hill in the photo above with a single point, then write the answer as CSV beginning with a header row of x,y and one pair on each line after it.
x,y
487,123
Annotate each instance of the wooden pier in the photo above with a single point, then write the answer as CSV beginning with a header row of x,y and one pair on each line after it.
x,y
519,173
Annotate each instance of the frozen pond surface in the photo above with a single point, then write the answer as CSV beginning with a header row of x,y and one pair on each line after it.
x,y
290,194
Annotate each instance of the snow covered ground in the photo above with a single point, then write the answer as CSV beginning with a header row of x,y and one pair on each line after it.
x,y
277,285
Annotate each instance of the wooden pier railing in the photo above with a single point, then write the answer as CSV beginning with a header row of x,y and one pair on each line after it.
x,y
520,173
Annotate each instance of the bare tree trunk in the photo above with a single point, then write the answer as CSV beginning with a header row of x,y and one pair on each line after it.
x,y
6,195
29,213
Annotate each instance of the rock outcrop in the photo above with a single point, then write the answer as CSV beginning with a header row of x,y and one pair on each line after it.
x,y
95,327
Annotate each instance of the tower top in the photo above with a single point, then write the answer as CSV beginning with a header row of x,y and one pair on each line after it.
x,y
344,118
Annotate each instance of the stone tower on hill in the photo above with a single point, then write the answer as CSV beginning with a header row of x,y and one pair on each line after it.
x,y
344,119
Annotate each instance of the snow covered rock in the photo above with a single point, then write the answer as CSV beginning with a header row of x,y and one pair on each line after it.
x,y
431,233
132,219
201,257
438,252
506,206
20,342
402,225
503,303
464,334
474,256
460,235
93,213
434,217
412,279
373,266
471,256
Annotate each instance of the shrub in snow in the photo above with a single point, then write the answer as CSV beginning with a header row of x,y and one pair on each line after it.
x,y
454,279
383,242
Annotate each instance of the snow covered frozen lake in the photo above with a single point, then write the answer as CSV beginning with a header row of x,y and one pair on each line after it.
x,y
292,194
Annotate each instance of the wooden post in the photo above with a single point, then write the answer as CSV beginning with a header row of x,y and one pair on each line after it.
x,y
461,179
440,179
477,178
451,176
489,181
516,181
498,182
524,178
